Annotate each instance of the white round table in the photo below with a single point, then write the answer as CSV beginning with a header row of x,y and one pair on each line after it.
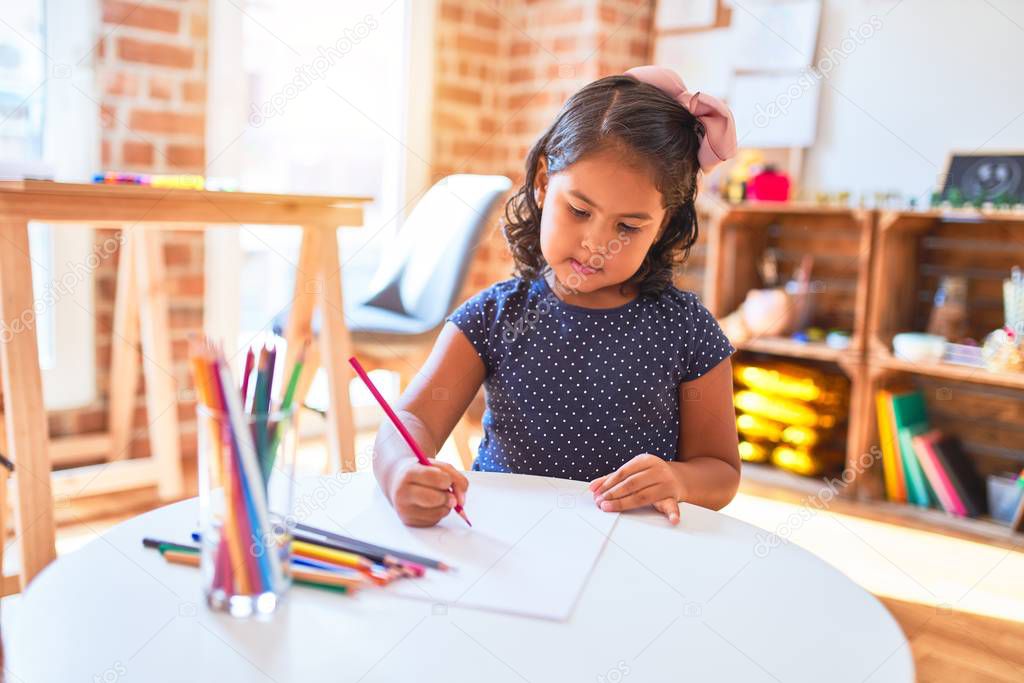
x,y
697,602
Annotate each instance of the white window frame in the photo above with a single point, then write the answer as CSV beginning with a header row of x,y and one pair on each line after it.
x,y
226,113
70,149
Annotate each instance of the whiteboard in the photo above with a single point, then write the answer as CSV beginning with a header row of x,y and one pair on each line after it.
x,y
673,14
529,552
775,110
703,59
775,35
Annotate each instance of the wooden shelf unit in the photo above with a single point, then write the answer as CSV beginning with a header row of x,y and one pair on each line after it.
x,y
879,271
984,409
841,241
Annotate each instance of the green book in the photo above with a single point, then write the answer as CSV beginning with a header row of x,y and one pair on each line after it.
x,y
911,418
918,483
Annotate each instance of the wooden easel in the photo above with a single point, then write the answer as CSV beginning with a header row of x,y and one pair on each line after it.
x,y
141,319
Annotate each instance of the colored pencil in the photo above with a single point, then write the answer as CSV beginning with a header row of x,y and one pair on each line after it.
x,y
252,480
286,403
356,545
341,557
250,360
168,545
373,562
304,575
205,379
408,568
164,547
420,455
260,405
246,532
293,381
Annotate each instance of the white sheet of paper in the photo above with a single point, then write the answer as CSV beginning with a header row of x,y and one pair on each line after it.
x,y
702,59
685,14
775,110
530,550
775,35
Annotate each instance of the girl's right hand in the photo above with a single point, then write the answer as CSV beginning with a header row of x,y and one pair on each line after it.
x,y
419,493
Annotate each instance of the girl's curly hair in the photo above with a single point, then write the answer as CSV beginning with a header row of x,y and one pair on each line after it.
x,y
649,128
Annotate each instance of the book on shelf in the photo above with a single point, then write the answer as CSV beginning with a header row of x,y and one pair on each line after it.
x,y
930,468
892,469
910,418
921,493
924,447
964,478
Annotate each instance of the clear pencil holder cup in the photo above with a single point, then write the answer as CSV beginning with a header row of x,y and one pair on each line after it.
x,y
246,493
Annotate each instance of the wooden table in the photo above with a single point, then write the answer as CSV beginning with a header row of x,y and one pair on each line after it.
x,y
708,600
141,315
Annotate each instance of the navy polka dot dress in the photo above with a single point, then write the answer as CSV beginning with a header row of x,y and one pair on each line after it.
x,y
576,392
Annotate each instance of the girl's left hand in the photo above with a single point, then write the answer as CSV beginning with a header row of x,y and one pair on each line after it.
x,y
644,480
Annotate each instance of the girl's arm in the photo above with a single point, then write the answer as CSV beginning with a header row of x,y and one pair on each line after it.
x,y
708,465
430,408
706,471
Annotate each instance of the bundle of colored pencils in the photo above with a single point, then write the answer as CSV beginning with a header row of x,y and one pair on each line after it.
x,y
324,559
242,439
254,550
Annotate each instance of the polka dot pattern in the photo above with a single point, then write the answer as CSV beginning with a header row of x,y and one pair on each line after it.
x,y
576,392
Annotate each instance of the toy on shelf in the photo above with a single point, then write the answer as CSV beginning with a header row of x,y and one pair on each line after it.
x,y
734,189
769,185
949,312
1003,350
774,311
788,415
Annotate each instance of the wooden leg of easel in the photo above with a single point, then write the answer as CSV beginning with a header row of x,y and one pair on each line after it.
x,y
3,511
157,364
10,583
27,431
335,350
309,369
124,363
306,285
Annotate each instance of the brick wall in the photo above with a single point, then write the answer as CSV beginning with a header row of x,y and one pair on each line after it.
x,y
503,69
151,61
502,72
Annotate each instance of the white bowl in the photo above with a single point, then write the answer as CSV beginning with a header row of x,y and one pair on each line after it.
x,y
918,347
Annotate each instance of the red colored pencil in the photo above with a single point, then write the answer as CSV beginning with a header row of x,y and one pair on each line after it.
x,y
424,460
250,360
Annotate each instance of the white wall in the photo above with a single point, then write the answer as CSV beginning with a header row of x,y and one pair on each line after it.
x,y
934,76
939,75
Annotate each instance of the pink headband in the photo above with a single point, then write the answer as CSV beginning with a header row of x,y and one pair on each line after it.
x,y
719,141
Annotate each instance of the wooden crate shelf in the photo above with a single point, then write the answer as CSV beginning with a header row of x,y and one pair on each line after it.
x,y
984,409
840,240
791,348
950,371
881,269
770,482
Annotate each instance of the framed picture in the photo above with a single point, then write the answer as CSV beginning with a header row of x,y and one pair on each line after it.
x,y
985,176
689,15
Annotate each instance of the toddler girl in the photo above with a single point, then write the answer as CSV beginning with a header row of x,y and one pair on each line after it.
x,y
595,366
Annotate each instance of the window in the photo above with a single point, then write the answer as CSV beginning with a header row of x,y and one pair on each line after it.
x,y
49,129
328,110
326,114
